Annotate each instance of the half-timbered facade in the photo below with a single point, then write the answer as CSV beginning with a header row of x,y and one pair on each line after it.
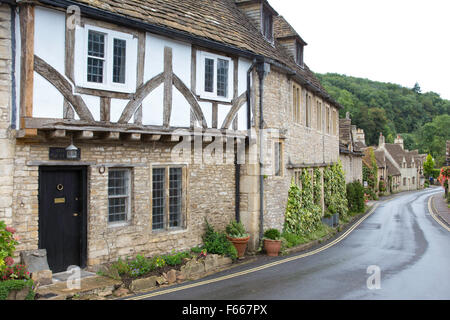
x,y
125,124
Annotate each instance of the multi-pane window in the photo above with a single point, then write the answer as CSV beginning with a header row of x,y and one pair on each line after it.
x,y
299,53
327,117
308,110
215,77
96,56
222,77
175,197
296,103
267,23
118,195
167,198
120,47
209,75
158,196
105,59
334,122
278,159
319,115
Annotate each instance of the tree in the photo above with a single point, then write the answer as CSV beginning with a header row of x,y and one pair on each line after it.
x,y
428,166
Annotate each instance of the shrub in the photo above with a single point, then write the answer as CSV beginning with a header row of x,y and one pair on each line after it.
x,y
217,242
175,259
355,197
236,230
7,246
9,285
272,234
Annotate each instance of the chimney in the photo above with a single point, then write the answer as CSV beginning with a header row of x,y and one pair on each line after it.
x,y
399,140
381,140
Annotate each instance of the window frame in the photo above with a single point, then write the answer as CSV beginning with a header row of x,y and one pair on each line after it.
x,y
81,60
200,86
266,13
128,197
297,103
166,201
299,52
280,159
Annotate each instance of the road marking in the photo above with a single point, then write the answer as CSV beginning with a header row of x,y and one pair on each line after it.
x,y
265,266
430,209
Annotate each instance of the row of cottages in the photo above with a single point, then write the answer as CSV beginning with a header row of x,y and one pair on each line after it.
x,y
398,169
124,124
350,152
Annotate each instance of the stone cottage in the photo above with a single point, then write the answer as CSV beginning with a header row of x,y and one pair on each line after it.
x,y
350,153
123,125
408,163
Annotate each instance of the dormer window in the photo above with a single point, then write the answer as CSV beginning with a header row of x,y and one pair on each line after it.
x,y
299,53
267,23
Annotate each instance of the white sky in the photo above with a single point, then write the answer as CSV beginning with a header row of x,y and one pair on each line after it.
x,y
397,41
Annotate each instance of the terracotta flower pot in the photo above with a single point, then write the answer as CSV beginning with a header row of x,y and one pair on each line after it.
x,y
240,244
272,247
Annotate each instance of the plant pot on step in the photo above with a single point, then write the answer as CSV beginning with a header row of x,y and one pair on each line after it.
x,y
240,244
272,247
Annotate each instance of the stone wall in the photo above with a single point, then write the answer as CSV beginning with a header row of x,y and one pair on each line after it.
x,y
6,135
210,193
301,144
352,167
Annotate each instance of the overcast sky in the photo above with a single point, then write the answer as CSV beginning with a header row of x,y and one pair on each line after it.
x,y
397,41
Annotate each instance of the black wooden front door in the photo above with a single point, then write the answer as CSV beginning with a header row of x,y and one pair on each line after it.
x,y
62,219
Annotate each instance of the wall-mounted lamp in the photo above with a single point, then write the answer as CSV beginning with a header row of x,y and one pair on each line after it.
x,y
72,152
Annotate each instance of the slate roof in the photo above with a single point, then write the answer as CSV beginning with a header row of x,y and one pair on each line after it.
x,y
397,152
220,21
391,168
380,158
283,30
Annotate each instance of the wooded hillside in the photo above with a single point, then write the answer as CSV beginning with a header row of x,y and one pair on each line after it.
x,y
422,119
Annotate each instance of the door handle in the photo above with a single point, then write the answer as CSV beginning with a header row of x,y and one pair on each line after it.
x,y
75,214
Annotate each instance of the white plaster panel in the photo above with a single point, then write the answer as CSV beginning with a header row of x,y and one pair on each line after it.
x,y
181,110
116,109
50,37
93,104
243,67
207,112
47,100
242,117
154,58
222,112
153,107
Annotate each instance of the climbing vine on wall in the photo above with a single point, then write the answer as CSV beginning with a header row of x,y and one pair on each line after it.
x,y
335,194
317,186
302,216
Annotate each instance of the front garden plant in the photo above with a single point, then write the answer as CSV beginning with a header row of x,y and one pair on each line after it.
x,y
14,278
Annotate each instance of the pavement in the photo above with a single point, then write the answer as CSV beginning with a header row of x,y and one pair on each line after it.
x,y
440,207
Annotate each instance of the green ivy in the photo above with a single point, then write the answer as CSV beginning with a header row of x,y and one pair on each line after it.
x,y
9,285
335,194
303,215
317,187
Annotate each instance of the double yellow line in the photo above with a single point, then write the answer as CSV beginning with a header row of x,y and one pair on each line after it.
x,y
430,209
268,265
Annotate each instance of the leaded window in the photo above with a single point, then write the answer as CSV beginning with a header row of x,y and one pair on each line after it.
x,y
222,77
120,47
158,204
118,195
96,56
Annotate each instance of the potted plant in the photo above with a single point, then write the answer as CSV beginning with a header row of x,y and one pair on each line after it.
x,y
272,242
238,236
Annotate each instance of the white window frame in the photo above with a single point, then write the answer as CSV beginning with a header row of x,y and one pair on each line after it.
x,y
81,60
201,57
128,198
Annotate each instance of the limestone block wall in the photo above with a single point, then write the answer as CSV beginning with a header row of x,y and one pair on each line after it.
x,y
6,135
300,144
352,167
210,193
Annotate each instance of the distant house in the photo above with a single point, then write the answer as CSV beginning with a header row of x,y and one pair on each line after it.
x,y
408,163
349,152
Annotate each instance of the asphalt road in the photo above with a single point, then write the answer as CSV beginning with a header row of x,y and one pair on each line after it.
x,y
398,252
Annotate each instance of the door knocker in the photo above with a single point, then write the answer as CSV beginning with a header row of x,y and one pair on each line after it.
x,y
60,187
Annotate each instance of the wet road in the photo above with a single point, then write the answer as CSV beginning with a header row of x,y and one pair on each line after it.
x,y
400,239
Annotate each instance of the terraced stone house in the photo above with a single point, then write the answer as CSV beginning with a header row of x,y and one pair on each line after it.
x,y
124,124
